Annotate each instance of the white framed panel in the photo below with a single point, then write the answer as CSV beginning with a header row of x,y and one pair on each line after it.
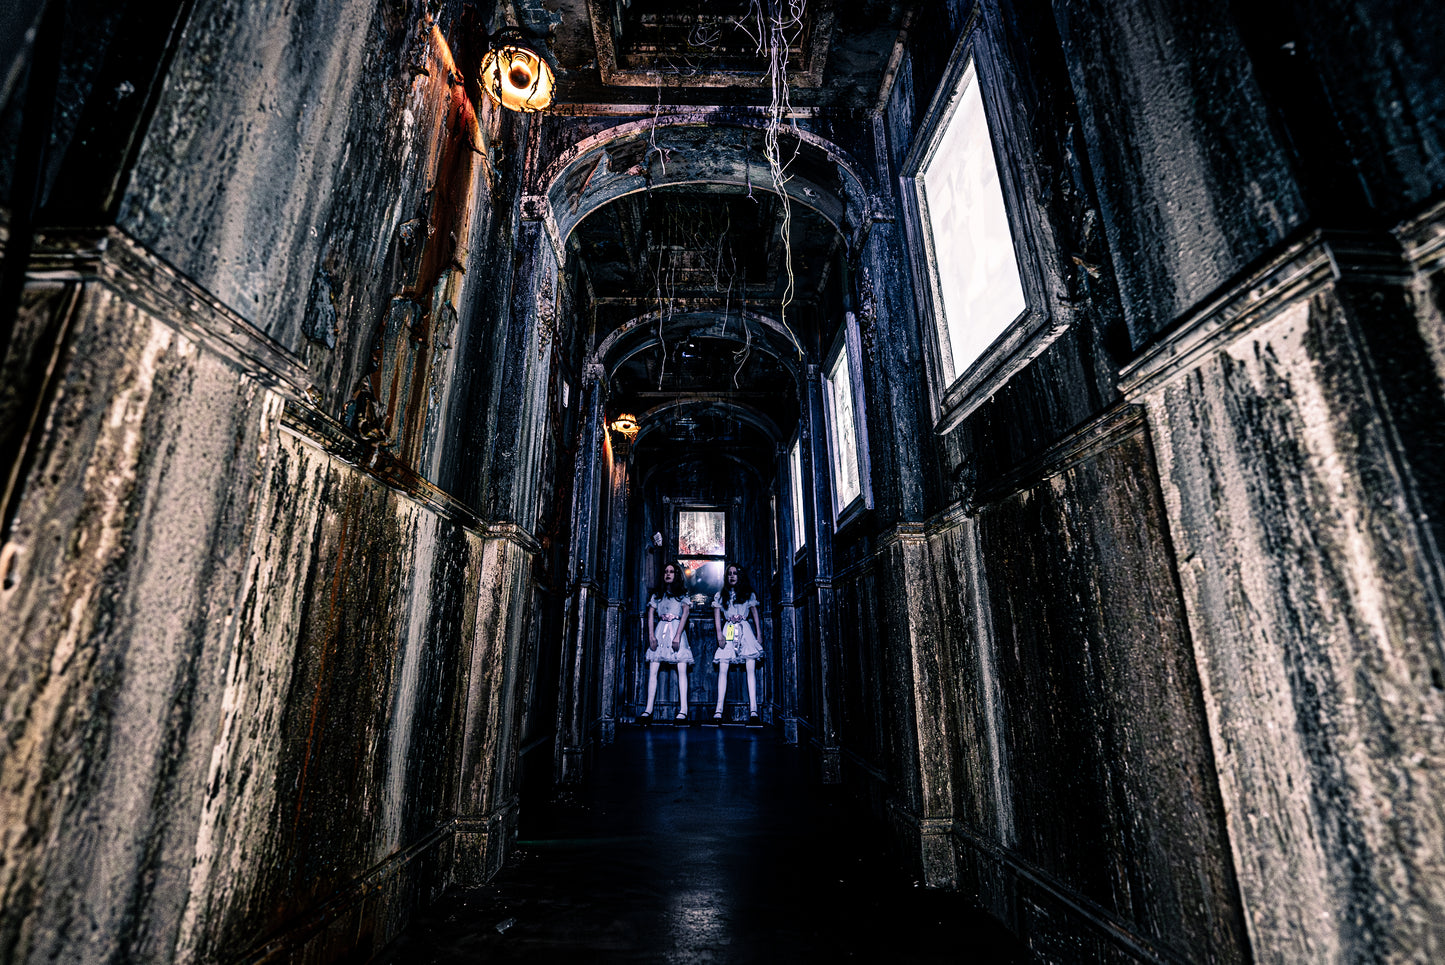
x,y
980,290
847,437
976,271
795,488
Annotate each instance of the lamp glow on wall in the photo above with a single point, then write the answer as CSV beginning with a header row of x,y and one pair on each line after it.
x,y
626,424
516,77
623,431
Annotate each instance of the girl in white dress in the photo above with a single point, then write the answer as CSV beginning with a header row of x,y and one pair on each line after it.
x,y
667,611
739,632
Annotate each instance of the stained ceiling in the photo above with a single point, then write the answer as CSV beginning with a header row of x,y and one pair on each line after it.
x,y
713,242
707,52
697,273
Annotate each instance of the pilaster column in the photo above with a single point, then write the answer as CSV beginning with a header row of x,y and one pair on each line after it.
x,y
580,638
817,483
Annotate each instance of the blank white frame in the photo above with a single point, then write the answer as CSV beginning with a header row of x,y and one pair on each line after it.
x,y
795,477
843,432
973,80
847,436
975,268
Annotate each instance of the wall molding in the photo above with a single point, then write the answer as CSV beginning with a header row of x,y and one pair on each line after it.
x,y
1120,422
1422,239
1297,271
112,258
139,277
313,924
1115,424
314,427
1090,913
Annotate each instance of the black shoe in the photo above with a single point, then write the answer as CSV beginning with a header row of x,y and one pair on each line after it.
x,y
680,720
644,719
754,720
716,719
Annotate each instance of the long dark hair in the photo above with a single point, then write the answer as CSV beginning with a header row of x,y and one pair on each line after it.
x,y
679,587
739,593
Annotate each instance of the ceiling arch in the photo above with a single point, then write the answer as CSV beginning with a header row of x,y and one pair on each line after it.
x,y
662,417
765,334
703,149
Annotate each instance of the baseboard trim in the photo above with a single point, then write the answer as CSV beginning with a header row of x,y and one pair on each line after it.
x,y
365,912
1030,916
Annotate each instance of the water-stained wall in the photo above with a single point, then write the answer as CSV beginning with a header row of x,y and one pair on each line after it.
x,y
1162,611
265,607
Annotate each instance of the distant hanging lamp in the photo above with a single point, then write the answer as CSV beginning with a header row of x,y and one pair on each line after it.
x,y
626,423
515,76
624,431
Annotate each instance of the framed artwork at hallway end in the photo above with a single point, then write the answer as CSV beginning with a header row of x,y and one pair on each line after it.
x,y
702,541
974,247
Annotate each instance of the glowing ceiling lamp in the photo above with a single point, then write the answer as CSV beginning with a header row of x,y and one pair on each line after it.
x,y
518,78
627,425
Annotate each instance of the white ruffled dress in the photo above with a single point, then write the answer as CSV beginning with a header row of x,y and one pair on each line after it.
x,y
668,622
744,644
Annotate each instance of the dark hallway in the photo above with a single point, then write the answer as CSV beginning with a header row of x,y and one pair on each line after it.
x,y
699,845
1019,424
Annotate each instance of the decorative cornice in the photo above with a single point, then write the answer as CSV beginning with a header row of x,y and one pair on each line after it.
x,y
904,814
485,822
903,533
320,430
1299,271
949,518
513,533
1422,239
137,276
141,278
1295,273
1115,424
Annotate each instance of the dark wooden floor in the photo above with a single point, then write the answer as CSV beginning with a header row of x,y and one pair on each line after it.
x,y
701,845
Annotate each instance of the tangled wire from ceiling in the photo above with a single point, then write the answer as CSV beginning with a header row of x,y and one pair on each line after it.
x,y
778,26
775,27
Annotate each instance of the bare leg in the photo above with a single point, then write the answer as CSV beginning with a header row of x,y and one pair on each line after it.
x,y
682,688
752,686
651,684
722,685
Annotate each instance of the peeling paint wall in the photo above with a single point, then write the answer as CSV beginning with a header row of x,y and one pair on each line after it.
x,y
263,650
1110,779
358,607
1322,682
1171,669
119,623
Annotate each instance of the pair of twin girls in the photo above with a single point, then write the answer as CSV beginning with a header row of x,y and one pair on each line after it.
x,y
739,632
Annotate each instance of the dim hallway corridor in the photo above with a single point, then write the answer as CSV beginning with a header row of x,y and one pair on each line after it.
x,y
1032,410
702,845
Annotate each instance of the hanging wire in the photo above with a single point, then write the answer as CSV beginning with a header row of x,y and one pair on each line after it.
x,y
777,26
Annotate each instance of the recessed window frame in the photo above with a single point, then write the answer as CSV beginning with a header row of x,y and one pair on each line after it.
x,y
956,394
846,344
798,538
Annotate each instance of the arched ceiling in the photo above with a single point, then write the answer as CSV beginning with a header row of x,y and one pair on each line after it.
x,y
708,280
688,285
706,241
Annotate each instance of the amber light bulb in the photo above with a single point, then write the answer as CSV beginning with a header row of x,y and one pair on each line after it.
x,y
517,78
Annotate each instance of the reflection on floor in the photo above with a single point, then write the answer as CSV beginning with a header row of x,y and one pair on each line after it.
x,y
695,846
